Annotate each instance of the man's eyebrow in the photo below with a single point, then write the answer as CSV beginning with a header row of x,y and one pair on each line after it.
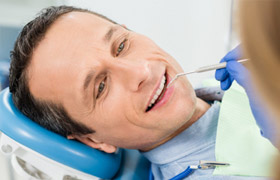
x,y
88,78
110,33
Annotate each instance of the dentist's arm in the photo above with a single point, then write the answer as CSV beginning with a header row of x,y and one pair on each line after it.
x,y
236,71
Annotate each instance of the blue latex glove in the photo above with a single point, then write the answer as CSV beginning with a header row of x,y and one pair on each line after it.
x,y
236,71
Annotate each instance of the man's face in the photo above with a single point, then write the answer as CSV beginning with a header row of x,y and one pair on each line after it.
x,y
106,76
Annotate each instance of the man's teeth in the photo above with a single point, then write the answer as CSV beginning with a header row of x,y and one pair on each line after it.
x,y
159,91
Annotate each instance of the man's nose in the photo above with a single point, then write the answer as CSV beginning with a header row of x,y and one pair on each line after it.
x,y
132,74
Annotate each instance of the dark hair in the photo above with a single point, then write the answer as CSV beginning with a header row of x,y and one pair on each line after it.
x,y
50,115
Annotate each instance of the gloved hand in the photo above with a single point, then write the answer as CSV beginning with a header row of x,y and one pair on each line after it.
x,y
236,71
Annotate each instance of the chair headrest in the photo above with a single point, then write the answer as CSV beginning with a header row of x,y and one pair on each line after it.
x,y
58,148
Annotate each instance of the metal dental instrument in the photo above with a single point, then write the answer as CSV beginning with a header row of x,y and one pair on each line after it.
x,y
204,69
210,164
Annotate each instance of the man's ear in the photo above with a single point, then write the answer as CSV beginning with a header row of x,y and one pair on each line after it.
x,y
88,140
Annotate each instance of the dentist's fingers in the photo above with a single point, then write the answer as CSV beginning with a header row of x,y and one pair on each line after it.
x,y
225,85
221,74
239,73
224,75
233,55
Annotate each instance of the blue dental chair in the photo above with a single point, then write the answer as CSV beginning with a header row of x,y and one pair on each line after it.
x,y
40,154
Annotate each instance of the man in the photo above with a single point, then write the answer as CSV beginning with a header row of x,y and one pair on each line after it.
x,y
85,77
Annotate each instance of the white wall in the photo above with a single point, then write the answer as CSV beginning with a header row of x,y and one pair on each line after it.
x,y
195,32
19,12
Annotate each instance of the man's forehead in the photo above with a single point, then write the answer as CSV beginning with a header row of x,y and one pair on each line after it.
x,y
81,18
79,25
73,33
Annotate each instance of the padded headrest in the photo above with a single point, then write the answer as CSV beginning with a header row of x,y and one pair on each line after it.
x,y
58,148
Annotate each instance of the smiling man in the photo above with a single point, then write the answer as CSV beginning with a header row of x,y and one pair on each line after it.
x,y
88,78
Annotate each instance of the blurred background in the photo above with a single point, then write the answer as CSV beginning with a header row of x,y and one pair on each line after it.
x,y
195,32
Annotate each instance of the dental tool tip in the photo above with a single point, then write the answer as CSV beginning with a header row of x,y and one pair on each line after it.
x,y
171,82
177,76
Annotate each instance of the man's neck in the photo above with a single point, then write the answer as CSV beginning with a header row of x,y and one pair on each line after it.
x,y
201,108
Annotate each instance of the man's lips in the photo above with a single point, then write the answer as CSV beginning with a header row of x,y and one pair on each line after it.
x,y
163,96
154,91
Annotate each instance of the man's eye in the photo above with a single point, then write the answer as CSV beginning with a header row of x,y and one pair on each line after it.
x,y
121,47
101,87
